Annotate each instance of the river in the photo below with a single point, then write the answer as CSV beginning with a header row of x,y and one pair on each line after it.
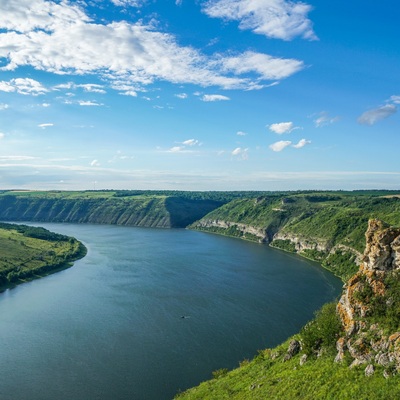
x,y
149,312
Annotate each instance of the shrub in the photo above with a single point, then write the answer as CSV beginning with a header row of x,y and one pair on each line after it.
x,y
323,331
219,373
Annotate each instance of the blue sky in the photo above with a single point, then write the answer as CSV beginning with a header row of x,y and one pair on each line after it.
x,y
199,94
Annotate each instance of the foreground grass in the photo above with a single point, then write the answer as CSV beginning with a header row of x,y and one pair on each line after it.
x,y
27,253
319,378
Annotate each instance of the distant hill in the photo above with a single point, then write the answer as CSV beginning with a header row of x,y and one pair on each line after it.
x,y
132,209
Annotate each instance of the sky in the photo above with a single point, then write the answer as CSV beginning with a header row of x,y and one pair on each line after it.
x,y
199,94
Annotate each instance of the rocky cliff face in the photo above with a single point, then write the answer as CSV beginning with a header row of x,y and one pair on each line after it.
x,y
369,307
234,227
302,243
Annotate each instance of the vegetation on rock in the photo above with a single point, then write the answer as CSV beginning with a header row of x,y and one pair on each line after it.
x,y
327,227
363,330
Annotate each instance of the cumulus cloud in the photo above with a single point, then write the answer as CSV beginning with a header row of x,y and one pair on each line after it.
x,y
395,99
176,149
279,146
25,86
243,154
181,96
371,117
282,127
2,135
268,67
59,37
279,19
190,142
130,3
240,133
214,97
3,106
87,87
184,145
301,143
95,163
44,126
324,119
89,103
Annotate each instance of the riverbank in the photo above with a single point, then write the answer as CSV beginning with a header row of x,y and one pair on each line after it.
x,y
29,253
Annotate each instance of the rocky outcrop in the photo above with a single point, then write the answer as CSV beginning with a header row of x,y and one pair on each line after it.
x,y
382,251
304,243
234,227
368,297
294,348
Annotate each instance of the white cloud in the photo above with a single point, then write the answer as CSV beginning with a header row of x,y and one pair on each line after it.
x,y
190,142
44,126
46,105
87,87
243,154
16,158
279,146
181,95
371,117
58,37
324,119
2,135
95,163
301,143
240,133
91,87
89,103
3,106
282,127
268,67
176,149
130,3
280,19
25,86
214,97
395,99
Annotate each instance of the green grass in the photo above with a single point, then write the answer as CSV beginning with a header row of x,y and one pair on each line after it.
x,y
324,219
319,378
268,376
23,257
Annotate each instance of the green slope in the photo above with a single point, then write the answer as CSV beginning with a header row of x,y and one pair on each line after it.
x,y
28,252
104,208
329,226
267,377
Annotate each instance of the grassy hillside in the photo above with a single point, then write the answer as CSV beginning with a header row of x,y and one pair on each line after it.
x,y
327,227
268,376
27,252
148,210
350,350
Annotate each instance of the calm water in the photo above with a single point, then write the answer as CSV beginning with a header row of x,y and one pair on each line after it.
x,y
110,327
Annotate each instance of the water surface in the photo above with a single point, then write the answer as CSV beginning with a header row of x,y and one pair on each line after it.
x,y
111,326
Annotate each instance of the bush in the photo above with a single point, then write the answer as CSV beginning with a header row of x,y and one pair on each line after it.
x,y
323,331
219,373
